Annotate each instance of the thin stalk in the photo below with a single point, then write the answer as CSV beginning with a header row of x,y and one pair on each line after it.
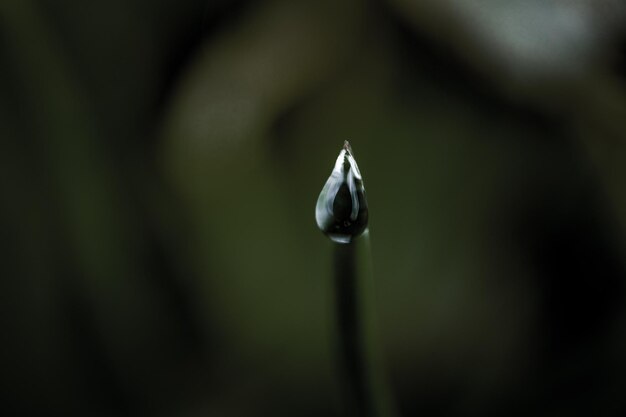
x,y
359,361
351,346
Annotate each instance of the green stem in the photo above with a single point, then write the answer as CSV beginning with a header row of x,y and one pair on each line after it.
x,y
350,327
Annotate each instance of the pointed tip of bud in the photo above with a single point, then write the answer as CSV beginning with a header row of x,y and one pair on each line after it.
x,y
346,146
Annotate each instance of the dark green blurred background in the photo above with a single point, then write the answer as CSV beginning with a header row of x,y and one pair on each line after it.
x,y
159,167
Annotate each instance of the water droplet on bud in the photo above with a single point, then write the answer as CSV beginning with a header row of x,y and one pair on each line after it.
x,y
341,210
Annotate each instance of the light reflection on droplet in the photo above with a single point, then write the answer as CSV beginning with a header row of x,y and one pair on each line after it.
x,y
341,211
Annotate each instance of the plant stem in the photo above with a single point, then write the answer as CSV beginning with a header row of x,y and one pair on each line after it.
x,y
351,337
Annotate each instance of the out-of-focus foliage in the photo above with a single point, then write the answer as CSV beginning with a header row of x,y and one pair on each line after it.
x,y
159,167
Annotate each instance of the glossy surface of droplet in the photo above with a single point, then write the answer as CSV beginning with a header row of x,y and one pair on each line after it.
x,y
341,210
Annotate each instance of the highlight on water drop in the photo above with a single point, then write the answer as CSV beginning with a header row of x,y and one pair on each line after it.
x,y
341,211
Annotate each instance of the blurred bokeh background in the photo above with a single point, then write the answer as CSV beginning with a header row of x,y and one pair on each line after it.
x,y
159,167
